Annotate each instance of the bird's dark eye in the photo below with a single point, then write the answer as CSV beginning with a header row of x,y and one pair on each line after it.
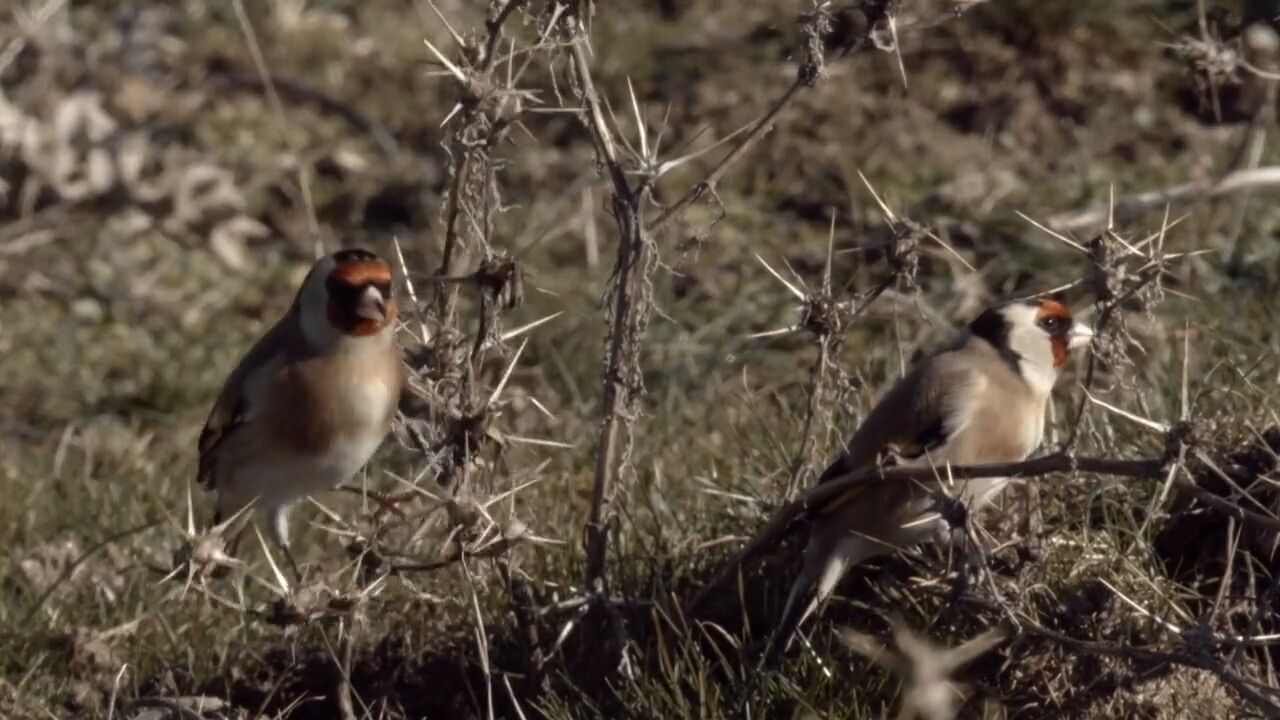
x,y
1053,324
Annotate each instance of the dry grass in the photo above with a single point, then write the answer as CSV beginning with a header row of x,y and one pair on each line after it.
x,y
167,173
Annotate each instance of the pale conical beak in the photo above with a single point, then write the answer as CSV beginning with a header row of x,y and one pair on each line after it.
x,y
1079,336
372,306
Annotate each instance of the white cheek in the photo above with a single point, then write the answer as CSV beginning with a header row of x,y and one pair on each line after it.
x,y
1041,375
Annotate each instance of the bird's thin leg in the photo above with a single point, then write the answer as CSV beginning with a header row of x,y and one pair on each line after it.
x,y
293,564
952,533
278,528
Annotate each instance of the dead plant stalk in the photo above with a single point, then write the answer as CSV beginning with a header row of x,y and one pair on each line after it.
x,y
623,344
629,312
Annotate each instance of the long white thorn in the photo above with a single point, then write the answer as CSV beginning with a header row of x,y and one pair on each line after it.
x,y
951,250
670,165
457,108
1157,426
541,408
794,290
831,245
453,69
1057,236
640,128
191,514
517,332
1186,359
518,439
445,21
893,219
774,333
275,569
425,335
506,375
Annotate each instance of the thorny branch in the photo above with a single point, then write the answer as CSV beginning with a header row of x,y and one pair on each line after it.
x,y
1242,175
810,71
788,519
1125,208
1119,275
826,316
484,107
626,325
820,387
458,424
872,23
1191,655
708,185
635,262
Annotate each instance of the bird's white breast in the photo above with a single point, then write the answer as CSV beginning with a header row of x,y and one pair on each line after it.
x,y
370,402
283,478
987,428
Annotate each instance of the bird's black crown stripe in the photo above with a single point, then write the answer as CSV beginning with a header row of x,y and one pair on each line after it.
x,y
354,255
993,327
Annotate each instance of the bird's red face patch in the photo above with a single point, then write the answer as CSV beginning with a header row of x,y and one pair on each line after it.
x,y
360,300
1055,319
361,270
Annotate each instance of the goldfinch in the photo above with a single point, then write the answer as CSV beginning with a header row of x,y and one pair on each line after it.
x,y
981,400
313,398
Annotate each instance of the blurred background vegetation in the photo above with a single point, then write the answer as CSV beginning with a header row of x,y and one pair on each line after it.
x,y
160,201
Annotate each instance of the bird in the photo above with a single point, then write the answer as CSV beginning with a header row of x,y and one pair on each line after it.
x,y
982,399
312,399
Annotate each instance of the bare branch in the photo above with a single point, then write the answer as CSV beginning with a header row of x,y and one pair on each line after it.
x,y
626,323
785,521
1126,207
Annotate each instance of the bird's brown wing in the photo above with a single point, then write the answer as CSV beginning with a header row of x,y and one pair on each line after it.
x,y
238,401
915,416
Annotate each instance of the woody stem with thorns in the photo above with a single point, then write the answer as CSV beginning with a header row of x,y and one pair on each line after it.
x,y
617,400
629,311
807,75
787,520
816,411
463,151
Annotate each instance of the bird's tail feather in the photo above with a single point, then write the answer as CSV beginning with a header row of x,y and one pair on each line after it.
x,y
824,566
793,615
